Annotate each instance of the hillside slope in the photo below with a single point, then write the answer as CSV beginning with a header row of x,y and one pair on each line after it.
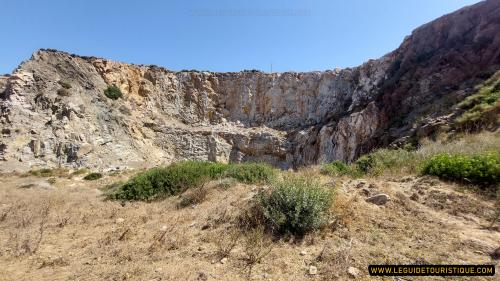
x,y
62,229
53,110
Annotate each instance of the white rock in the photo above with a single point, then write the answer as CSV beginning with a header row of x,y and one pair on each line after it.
x,y
303,253
352,271
313,270
223,261
120,220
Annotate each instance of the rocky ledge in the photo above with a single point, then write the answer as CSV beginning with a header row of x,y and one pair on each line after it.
x,y
53,111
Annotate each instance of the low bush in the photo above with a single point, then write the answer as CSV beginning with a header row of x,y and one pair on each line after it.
x,y
92,176
113,92
386,160
477,168
192,197
80,171
257,244
215,170
63,92
365,163
335,168
226,183
295,205
481,109
174,179
251,172
47,172
167,181
496,88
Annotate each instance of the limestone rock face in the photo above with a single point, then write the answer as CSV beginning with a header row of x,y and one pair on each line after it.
x,y
53,111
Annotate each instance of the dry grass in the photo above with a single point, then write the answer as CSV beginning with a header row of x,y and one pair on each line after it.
x,y
226,241
192,197
257,245
67,231
466,144
399,162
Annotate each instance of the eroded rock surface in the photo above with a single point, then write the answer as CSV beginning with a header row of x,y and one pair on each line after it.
x,y
53,111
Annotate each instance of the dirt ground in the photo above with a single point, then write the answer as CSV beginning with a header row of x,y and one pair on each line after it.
x,y
65,230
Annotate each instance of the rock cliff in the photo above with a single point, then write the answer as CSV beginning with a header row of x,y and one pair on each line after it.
x,y
53,110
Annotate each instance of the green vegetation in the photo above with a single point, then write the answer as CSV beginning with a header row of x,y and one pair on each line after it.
x,y
483,150
251,172
172,180
167,181
479,168
335,168
92,176
470,158
376,163
47,172
295,205
386,160
481,109
113,92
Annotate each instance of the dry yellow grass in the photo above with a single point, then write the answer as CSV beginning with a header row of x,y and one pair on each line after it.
x,y
66,231
467,144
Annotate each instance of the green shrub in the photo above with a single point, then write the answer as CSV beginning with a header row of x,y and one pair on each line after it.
x,y
251,172
496,88
174,179
167,181
215,170
365,163
295,205
482,108
478,168
335,168
386,160
92,176
47,172
113,92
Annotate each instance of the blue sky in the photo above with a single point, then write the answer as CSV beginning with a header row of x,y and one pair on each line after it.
x,y
216,35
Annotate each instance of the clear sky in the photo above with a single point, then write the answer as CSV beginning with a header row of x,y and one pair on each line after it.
x,y
215,35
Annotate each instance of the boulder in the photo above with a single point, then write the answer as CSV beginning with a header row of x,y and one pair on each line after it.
x,y
379,199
